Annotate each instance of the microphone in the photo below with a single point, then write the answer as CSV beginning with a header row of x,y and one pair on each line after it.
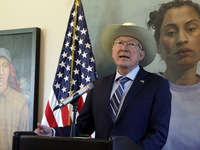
x,y
74,97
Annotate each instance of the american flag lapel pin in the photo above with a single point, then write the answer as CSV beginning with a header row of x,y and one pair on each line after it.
x,y
142,81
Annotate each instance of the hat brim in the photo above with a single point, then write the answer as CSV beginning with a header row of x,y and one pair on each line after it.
x,y
146,39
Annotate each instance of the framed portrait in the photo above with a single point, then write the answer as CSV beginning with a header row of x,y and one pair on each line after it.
x,y
21,47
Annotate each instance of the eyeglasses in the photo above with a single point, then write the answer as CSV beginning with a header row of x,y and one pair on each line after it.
x,y
129,44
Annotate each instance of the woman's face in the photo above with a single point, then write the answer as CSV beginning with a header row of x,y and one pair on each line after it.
x,y
179,41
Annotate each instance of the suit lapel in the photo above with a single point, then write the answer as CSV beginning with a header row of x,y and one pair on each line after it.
x,y
108,87
138,83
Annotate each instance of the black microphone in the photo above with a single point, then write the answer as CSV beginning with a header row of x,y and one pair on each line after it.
x,y
73,98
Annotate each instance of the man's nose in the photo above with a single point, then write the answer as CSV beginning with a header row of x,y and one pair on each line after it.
x,y
125,46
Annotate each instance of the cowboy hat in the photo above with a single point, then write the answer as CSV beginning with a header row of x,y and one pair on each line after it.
x,y
112,32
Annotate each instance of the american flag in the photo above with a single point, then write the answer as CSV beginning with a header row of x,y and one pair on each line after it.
x,y
76,69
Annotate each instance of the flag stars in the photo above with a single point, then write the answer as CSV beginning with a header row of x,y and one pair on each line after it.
x,y
64,89
70,57
82,76
57,86
67,43
69,35
83,31
74,82
66,78
80,17
83,65
80,41
74,13
61,99
68,68
79,51
76,71
60,75
89,69
84,55
77,28
78,62
64,54
87,45
72,24
72,48
87,79
76,37
92,59
81,85
62,64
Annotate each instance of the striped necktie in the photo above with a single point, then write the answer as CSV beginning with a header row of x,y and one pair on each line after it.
x,y
117,96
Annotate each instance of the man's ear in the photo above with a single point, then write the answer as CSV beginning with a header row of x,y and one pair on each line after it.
x,y
142,54
158,48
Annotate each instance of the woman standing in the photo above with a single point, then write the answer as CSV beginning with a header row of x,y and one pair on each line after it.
x,y
177,32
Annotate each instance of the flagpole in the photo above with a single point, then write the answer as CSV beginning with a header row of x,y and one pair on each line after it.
x,y
72,65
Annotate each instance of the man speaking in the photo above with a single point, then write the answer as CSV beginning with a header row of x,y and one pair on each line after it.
x,y
130,102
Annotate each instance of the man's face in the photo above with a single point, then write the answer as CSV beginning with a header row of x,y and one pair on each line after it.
x,y
4,71
126,53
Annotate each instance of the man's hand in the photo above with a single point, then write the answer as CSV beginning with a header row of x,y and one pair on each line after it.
x,y
43,130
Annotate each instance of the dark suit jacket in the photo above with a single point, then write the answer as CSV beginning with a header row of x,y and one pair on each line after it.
x,y
144,116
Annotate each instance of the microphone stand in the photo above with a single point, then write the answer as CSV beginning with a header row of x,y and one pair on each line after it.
x,y
73,126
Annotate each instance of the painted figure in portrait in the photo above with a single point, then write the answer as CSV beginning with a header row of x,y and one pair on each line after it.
x,y
177,32
14,112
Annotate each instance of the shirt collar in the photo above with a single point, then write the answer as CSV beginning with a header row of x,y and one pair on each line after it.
x,y
131,75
